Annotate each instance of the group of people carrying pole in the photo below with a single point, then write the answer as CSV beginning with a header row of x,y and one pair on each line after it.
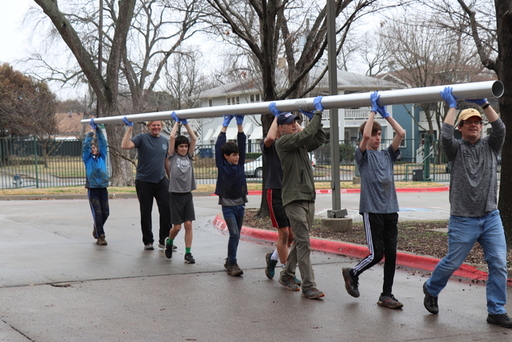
x,y
165,172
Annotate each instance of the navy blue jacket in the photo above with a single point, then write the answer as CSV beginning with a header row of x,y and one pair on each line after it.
x,y
231,182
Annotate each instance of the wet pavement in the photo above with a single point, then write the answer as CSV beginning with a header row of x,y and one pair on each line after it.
x,y
56,284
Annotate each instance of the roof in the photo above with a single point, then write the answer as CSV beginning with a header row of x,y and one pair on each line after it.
x,y
347,82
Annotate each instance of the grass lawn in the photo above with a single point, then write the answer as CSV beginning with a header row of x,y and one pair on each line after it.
x,y
200,188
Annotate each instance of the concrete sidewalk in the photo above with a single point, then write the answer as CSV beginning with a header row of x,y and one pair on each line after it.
x,y
56,284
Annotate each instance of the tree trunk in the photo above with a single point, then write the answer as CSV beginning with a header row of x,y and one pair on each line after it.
x,y
504,25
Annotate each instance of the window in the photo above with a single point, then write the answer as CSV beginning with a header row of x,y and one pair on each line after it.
x,y
255,98
233,100
403,143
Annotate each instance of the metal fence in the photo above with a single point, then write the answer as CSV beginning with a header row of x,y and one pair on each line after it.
x,y
28,162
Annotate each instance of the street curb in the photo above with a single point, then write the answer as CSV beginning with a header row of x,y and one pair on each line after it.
x,y
113,195
405,259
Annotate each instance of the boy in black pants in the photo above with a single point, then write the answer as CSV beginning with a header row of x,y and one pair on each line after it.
x,y
378,203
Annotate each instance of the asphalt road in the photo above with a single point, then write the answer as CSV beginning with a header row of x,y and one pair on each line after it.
x,y
56,284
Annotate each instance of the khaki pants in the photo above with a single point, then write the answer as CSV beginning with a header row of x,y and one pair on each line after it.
x,y
300,214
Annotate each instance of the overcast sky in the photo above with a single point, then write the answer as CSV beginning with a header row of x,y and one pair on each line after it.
x,y
12,35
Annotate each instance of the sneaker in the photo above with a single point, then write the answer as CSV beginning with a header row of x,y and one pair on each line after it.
x,y
430,302
500,319
351,283
168,248
313,293
289,283
189,259
271,266
162,246
389,302
148,247
234,270
226,264
101,241
297,281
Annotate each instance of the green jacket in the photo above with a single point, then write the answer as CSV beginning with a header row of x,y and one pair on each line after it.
x,y
292,149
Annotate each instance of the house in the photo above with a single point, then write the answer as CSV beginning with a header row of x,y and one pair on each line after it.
x,y
249,91
69,126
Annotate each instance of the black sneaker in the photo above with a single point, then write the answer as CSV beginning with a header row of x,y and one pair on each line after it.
x,y
189,259
148,247
271,266
313,293
430,302
289,283
168,248
389,302
162,246
351,283
500,319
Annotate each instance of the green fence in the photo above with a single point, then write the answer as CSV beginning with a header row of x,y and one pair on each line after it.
x,y
28,162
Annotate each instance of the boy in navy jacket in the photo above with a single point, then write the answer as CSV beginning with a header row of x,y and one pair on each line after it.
x,y
231,187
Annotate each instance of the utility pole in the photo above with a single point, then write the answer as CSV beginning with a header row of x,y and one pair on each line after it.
x,y
334,137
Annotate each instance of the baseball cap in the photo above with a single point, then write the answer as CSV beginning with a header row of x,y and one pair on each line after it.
x,y
286,118
469,113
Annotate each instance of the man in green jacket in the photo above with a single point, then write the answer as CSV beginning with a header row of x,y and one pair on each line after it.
x,y
298,192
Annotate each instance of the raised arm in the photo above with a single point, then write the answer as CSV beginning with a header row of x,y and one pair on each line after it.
x,y
126,143
172,138
193,139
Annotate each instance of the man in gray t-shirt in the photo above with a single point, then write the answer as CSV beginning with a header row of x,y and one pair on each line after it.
x,y
474,214
378,203
151,181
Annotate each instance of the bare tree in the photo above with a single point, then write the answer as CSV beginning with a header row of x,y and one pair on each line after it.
x,y
106,87
291,31
139,38
420,61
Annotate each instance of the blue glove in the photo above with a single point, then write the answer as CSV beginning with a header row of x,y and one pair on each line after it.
x,y
93,124
239,119
382,111
308,114
227,120
447,95
273,109
127,123
374,97
177,119
317,102
479,102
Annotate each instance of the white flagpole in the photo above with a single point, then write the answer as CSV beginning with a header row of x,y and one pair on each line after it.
x,y
474,90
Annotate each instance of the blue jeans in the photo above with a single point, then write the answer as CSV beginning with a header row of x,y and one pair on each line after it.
x,y
463,233
234,217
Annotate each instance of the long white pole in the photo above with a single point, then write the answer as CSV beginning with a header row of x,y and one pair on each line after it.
x,y
475,90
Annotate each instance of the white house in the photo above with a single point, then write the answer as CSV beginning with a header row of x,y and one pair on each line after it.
x,y
249,91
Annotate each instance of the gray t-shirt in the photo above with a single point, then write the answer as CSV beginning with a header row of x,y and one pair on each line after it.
x,y
473,175
151,155
378,193
182,178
